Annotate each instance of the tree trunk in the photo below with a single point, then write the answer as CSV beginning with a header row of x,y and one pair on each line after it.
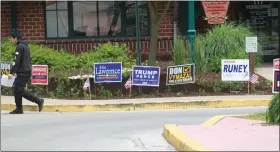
x,y
153,45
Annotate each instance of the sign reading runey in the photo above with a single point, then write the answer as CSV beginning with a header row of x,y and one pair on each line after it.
x,y
107,72
235,70
39,75
180,74
146,76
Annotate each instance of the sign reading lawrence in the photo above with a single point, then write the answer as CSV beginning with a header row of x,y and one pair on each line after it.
x,y
180,74
107,72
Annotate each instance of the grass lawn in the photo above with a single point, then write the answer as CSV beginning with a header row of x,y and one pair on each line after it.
x,y
257,116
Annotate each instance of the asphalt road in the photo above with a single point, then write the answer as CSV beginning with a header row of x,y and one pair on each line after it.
x,y
116,131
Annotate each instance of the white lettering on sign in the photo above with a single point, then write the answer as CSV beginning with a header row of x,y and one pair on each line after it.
x,y
278,84
39,69
109,71
5,66
146,72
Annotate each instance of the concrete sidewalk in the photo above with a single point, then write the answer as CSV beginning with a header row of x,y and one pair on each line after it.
x,y
229,134
7,103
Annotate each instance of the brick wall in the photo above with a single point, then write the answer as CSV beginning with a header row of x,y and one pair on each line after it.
x,y
30,21
6,24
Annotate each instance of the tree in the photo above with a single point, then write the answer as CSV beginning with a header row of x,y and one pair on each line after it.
x,y
156,19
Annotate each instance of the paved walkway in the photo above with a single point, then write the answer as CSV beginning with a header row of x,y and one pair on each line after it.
x,y
10,100
236,134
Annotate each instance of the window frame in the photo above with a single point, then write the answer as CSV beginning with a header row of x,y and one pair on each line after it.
x,y
71,31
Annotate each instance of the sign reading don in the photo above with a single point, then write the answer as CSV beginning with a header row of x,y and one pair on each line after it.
x,y
5,68
180,74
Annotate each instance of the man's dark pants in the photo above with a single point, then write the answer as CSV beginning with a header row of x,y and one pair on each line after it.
x,y
19,91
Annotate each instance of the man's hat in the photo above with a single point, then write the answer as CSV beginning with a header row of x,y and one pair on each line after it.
x,y
16,33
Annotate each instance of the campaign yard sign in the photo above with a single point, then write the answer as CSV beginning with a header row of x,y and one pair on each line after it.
x,y
180,74
276,63
39,75
276,81
5,68
107,72
235,70
145,76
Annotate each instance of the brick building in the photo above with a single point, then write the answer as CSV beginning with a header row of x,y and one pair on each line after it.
x,y
77,26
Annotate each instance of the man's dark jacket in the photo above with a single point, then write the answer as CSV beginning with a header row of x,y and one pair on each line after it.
x,y
22,62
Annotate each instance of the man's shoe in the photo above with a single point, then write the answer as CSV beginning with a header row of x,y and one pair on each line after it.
x,y
17,111
41,104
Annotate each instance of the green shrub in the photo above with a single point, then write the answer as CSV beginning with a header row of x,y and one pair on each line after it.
x,y
225,41
201,57
62,60
108,52
179,51
273,111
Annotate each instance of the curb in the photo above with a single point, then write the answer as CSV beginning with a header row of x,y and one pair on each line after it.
x,y
142,106
182,142
178,139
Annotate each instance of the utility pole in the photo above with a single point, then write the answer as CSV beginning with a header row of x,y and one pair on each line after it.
x,y
137,34
191,30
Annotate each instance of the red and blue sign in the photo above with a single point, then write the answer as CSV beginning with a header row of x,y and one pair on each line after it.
x,y
276,81
39,75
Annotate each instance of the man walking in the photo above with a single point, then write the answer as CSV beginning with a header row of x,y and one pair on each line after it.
x,y
22,68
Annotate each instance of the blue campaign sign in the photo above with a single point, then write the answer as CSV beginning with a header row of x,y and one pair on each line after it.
x,y
107,72
145,75
276,81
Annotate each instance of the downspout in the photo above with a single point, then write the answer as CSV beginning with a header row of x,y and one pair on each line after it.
x,y
175,18
191,29
14,14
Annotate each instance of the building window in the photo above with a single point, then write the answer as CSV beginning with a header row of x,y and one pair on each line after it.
x,y
56,19
131,20
95,19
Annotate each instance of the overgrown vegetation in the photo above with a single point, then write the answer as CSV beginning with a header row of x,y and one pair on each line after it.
x,y
225,41
62,60
179,52
273,111
256,116
272,114
60,86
